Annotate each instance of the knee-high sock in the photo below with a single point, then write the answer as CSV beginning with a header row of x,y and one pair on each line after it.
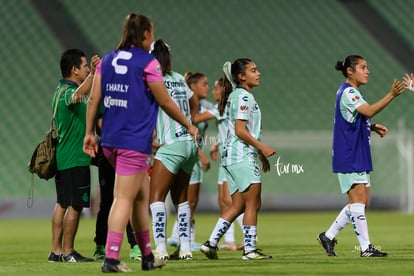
x,y
249,238
174,232
183,220
159,223
240,220
360,224
342,220
219,229
113,244
229,235
143,240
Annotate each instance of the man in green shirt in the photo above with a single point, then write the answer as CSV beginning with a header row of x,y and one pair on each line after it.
x,y
73,176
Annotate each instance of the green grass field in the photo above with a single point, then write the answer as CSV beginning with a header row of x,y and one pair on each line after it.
x,y
289,237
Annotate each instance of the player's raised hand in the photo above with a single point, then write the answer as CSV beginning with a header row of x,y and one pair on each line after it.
x,y
408,80
397,87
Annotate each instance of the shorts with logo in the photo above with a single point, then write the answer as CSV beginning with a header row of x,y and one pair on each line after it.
x,y
73,187
241,175
346,180
179,155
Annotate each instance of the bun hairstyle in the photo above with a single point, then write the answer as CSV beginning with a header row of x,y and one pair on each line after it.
x,y
349,61
161,51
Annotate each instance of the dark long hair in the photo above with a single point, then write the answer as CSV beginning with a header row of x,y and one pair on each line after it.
x,y
237,67
162,52
227,89
133,33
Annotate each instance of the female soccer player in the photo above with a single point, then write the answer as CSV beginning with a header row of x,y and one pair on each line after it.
x,y
174,161
351,152
241,148
130,85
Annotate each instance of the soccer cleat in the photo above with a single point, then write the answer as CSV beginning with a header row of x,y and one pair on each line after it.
x,y
75,257
255,255
99,253
327,244
135,253
174,242
209,251
161,256
185,255
112,265
175,256
54,258
150,262
228,246
373,252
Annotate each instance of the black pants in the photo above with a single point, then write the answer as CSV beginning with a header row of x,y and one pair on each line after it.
x,y
106,185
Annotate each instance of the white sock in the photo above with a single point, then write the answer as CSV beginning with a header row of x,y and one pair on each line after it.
x,y
184,232
342,220
360,224
159,222
221,227
229,235
174,233
249,238
240,220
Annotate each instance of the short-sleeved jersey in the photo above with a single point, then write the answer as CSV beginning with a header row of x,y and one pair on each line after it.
x,y
70,124
351,135
203,106
241,105
168,130
130,109
221,126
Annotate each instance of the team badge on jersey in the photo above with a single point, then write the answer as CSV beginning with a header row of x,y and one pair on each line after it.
x,y
244,108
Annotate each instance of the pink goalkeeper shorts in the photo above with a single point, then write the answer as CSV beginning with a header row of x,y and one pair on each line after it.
x,y
126,162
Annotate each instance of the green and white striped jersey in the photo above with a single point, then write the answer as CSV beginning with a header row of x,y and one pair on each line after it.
x,y
241,105
168,130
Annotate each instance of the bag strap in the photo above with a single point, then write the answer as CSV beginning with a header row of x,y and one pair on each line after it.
x,y
63,87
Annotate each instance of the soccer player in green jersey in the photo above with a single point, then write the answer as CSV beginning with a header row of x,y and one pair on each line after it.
x,y
241,148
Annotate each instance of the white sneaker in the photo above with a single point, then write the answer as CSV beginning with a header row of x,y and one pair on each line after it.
x,y
185,255
161,256
255,255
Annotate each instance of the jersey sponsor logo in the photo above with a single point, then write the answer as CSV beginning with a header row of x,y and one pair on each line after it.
x,y
116,87
244,108
121,69
109,102
355,99
181,133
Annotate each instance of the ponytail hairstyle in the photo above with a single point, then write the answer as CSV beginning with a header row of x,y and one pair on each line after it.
x,y
349,61
193,77
231,79
227,89
134,28
161,51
